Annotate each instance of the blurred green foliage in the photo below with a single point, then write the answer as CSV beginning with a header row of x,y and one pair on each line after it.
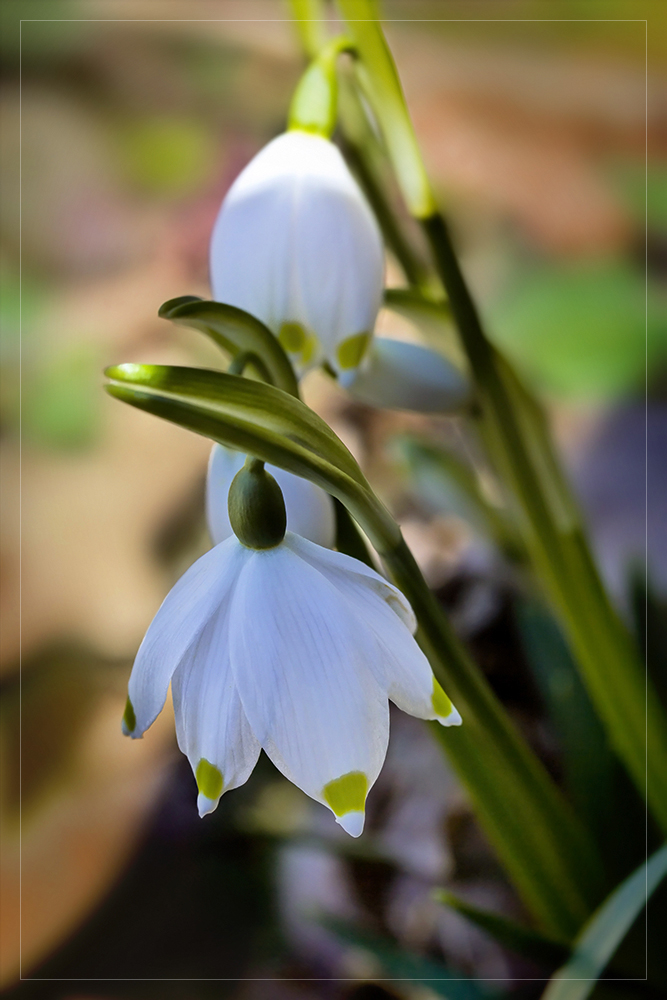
x,y
580,329
166,155
49,29
60,404
589,25
402,966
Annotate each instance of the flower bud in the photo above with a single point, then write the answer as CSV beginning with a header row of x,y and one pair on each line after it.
x,y
256,507
397,375
310,511
296,244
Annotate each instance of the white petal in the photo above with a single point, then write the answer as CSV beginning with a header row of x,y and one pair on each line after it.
x,y
295,241
340,263
223,465
181,617
352,823
341,568
301,667
401,376
211,725
206,805
310,511
399,664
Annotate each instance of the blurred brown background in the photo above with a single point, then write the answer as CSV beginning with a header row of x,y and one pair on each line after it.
x,y
121,133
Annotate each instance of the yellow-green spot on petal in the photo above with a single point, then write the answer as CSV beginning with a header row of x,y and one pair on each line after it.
x,y
129,718
292,337
350,351
347,793
308,349
442,706
209,779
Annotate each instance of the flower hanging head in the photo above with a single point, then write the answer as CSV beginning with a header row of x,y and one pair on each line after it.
x,y
272,642
296,244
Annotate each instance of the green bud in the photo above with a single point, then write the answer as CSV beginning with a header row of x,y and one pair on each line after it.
x,y
256,507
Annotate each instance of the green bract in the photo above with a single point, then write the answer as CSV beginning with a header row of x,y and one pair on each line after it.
x,y
315,103
262,421
235,331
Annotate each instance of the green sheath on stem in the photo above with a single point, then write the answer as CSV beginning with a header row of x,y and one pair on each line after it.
x,y
315,102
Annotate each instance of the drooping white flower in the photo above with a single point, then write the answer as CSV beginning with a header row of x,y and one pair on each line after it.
x,y
294,649
296,244
398,375
310,511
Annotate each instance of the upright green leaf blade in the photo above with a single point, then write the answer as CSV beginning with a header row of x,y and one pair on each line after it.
x,y
605,930
589,766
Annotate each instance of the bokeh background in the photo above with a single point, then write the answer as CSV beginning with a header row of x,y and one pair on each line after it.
x,y
124,122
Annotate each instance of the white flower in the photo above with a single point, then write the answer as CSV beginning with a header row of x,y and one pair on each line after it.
x,y
310,511
294,649
397,375
296,244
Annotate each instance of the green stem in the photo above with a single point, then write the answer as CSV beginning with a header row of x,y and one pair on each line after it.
x,y
610,668
415,272
364,155
309,20
538,839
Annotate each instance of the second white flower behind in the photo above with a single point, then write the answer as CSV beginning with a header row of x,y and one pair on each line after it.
x,y
294,649
297,245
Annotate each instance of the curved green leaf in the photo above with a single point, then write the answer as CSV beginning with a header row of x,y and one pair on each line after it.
x,y
539,948
605,930
259,420
234,330
405,966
